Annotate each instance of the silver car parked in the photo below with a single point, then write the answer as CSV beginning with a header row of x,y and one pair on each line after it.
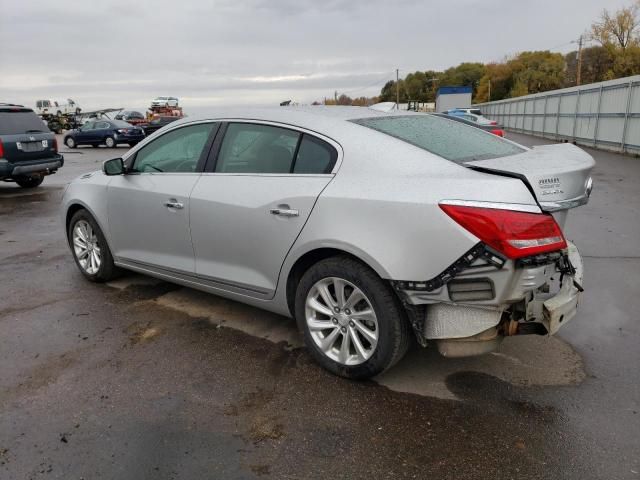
x,y
370,228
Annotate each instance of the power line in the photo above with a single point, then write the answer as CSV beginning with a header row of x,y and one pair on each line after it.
x,y
377,82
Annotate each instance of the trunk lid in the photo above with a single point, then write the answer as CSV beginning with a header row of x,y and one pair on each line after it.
x,y
559,176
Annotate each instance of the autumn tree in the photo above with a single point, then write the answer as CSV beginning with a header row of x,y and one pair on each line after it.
x,y
618,29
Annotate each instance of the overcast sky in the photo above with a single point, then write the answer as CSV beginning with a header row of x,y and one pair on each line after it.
x,y
123,53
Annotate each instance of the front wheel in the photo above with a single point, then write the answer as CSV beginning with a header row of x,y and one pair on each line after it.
x,y
90,249
29,182
353,323
110,142
70,142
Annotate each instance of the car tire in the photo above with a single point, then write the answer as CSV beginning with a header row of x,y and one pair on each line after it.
x,y
29,182
110,142
70,142
388,322
101,271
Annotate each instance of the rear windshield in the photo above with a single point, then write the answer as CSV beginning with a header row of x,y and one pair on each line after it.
x,y
449,139
13,123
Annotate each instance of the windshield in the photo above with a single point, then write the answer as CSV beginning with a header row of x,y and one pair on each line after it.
x,y
16,122
449,139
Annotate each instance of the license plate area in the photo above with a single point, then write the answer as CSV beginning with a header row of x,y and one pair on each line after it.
x,y
37,146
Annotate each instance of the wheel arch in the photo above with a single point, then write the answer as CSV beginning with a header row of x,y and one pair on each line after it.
x,y
312,256
74,207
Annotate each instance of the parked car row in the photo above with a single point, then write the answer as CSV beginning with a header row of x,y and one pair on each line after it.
x,y
115,132
474,117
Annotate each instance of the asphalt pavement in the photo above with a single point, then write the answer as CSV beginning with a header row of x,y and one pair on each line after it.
x,y
142,379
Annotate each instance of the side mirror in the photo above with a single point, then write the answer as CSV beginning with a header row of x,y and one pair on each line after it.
x,y
115,166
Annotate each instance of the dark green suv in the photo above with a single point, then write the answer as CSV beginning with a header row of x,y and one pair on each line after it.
x,y
28,149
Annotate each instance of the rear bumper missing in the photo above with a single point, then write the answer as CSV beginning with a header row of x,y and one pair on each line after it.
x,y
536,296
562,307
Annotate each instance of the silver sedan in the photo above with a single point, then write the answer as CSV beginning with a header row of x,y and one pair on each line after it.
x,y
372,229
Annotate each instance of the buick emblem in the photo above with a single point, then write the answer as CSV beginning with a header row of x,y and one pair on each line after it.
x,y
550,182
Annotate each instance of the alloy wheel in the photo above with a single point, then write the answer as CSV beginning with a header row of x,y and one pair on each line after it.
x,y
86,247
341,321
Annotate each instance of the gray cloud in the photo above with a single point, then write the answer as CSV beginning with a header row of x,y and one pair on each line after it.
x,y
117,53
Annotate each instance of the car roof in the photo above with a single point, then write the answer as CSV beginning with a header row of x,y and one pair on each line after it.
x,y
328,120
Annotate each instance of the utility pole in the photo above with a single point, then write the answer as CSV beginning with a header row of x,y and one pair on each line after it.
x,y
579,71
397,89
335,96
489,92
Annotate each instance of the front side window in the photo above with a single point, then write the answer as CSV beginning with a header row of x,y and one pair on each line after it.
x,y
253,148
175,151
449,139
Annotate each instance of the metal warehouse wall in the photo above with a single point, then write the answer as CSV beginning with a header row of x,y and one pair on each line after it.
x,y
604,115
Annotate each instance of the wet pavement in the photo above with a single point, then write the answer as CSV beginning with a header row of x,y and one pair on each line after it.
x,y
143,379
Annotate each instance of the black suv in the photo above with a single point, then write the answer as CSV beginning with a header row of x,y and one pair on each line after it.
x,y
28,149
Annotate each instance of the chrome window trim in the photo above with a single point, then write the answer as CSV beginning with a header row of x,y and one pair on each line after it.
x,y
516,207
289,126
298,129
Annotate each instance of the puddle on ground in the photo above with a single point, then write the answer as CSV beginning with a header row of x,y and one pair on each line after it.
x,y
529,360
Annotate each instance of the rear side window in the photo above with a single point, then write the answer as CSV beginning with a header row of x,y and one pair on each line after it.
x,y
253,148
256,148
16,122
449,139
314,156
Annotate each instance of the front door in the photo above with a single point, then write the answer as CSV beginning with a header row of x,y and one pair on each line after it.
x,y
246,214
149,207
87,133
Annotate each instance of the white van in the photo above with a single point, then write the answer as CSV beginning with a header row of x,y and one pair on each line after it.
x,y
54,107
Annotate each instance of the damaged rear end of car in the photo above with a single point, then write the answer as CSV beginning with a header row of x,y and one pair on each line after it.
x,y
522,276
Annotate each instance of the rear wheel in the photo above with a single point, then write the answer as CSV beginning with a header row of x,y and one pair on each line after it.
x,y
353,324
90,249
70,142
110,142
29,182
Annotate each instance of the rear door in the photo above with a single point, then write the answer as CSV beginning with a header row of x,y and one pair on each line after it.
x,y
254,199
149,208
101,130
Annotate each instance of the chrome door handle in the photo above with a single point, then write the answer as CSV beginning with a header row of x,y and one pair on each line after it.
x,y
284,212
173,203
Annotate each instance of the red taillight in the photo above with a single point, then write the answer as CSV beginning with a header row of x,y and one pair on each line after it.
x,y
515,234
1,149
498,132
55,144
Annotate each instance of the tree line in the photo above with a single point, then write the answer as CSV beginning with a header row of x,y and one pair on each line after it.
x,y
613,52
